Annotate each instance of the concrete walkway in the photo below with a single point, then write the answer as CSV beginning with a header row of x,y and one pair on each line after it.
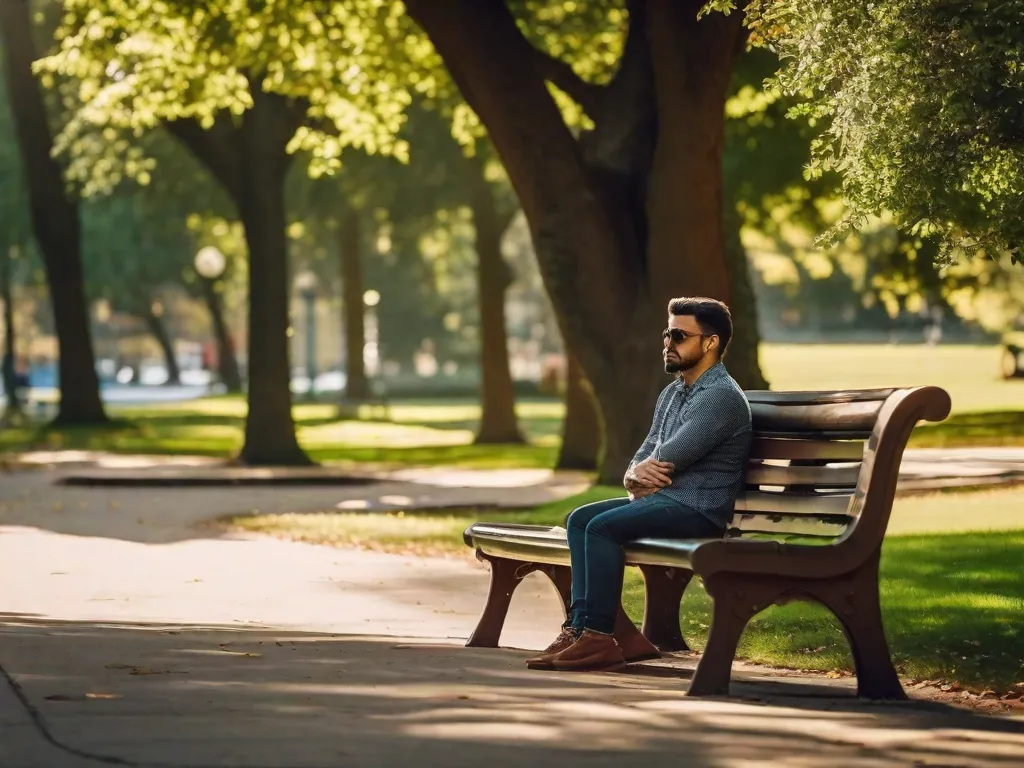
x,y
130,634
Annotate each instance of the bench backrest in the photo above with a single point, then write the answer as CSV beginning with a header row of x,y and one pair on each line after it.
x,y
825,464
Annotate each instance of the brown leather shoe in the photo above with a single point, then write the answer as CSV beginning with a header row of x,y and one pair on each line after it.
x,y
593,651
636,647
543,660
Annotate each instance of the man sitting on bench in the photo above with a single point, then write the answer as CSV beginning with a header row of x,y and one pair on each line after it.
x,y
682,483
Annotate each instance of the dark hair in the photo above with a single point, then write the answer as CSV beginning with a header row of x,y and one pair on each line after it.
x,y
712,316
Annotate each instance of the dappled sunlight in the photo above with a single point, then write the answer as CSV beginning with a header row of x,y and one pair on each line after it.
x,y
230,407
105,459
508,478
375,433
381,701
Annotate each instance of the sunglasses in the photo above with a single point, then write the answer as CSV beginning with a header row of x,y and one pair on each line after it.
x,y
677,335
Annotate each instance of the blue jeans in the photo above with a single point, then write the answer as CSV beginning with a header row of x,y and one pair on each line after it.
x,y
596,534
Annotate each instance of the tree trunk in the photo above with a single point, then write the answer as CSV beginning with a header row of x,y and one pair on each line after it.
x,y
54,221
350,239
227,363
581,430
12,413
742,358
163,338
498,422
618,229
269,428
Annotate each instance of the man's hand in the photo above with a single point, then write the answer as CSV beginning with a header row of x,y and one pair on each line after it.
x,y
653,473
648,476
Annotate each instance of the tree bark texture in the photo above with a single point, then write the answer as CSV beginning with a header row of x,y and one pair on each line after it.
x,y
158,328
55,222
581,429
227,362
250,160
630,215
498,421
269,428
350,247
8,359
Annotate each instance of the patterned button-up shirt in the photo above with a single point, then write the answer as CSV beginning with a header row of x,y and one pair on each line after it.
x,y
705,431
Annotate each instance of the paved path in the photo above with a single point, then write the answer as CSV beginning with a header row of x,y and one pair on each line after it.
x,y
132,635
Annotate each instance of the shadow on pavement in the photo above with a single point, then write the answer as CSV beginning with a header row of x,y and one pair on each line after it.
x,y
144,694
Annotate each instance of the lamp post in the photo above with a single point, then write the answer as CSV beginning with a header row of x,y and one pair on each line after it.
x,y
306,283
210,264
371,299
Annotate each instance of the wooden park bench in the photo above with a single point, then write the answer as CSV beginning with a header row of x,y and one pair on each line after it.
x,y
809,526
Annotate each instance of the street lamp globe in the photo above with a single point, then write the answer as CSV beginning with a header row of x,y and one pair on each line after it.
x,y
210,262
306,282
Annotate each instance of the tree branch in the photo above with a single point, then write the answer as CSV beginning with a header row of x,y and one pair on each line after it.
x,y
216,148
587,95
627,123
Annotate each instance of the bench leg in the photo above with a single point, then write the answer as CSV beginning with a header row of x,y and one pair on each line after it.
x,y
561,578
506,575
856,604
664,589
735,602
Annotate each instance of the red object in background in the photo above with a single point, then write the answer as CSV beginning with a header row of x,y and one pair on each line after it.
x,y
209,356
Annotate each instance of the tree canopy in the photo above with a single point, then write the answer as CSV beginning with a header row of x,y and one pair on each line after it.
x,y
923,106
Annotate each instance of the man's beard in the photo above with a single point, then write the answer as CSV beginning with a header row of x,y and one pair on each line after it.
x,y
679,364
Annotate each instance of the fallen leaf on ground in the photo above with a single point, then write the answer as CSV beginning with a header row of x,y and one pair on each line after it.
x,y
102,696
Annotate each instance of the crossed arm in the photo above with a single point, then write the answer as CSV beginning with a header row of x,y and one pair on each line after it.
x,y
647,477
719,414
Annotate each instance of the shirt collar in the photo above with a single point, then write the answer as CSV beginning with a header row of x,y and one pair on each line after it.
x,y
713,373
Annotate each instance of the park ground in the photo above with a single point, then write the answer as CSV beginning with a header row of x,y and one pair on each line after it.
x,y
165,626
135,632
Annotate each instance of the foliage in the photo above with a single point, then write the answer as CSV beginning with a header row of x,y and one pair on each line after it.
x,y
137,63
137,239
923,104
878,269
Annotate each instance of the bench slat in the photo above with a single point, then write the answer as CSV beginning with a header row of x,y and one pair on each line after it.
x,y
816,397
825,526
782,503
764,447
856,417
828,476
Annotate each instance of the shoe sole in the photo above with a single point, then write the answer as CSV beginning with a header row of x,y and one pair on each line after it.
x,y
643,657
612,667
548,666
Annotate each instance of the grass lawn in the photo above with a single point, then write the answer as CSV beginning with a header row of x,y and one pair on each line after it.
x,y
987,411
952,593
